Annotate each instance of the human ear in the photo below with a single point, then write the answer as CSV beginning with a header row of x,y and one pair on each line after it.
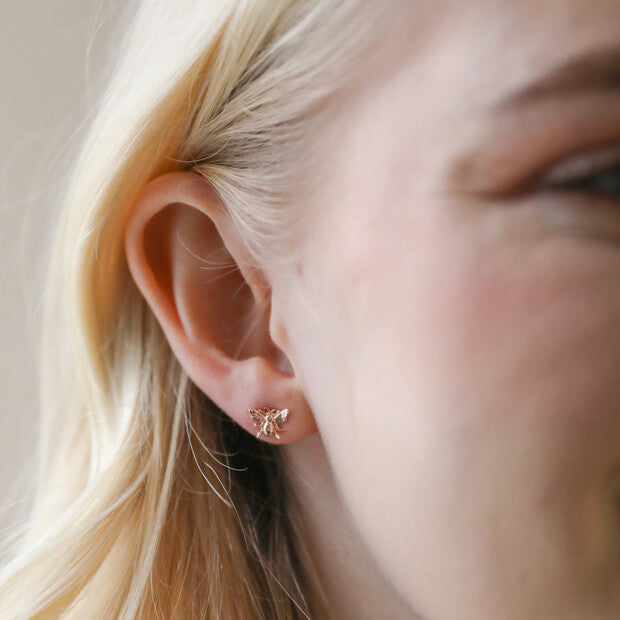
x,y
212,303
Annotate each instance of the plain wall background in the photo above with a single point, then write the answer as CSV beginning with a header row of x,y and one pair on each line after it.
x,y
51,54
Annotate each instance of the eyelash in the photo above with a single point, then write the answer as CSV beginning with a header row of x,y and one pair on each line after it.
x,y
581,174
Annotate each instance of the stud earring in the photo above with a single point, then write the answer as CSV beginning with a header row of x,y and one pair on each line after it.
x,y
268,420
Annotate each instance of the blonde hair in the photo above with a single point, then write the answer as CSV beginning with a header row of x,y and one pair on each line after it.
x,y
151,502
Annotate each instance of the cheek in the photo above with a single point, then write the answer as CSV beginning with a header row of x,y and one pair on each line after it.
x,y
474,402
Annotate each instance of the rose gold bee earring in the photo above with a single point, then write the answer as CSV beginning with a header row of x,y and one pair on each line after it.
x,y
268,420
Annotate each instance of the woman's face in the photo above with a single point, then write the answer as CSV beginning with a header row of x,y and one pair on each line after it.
x,y
456,326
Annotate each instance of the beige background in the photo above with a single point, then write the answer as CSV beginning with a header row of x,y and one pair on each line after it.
x,y
47,84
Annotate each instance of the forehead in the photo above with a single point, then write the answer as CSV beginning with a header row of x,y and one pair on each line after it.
x,y
441,65
485,48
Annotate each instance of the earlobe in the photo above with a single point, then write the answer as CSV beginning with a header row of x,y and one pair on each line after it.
x,y
190,266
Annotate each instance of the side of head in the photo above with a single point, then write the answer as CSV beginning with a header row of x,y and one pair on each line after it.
x,y
366,213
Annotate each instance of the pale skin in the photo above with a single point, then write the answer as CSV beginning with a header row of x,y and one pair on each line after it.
x,y
448,347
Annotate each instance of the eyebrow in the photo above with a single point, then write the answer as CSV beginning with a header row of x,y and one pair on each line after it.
x,y
595,70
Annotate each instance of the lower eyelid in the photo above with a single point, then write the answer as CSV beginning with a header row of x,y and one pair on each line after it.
x,y
585,213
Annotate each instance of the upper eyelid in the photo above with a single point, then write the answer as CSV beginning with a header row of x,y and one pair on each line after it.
x,y
505,155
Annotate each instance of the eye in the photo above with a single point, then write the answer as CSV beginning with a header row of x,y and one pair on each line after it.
x,y
597,173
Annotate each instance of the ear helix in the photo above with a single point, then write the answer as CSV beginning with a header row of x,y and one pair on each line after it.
x,y
268,420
